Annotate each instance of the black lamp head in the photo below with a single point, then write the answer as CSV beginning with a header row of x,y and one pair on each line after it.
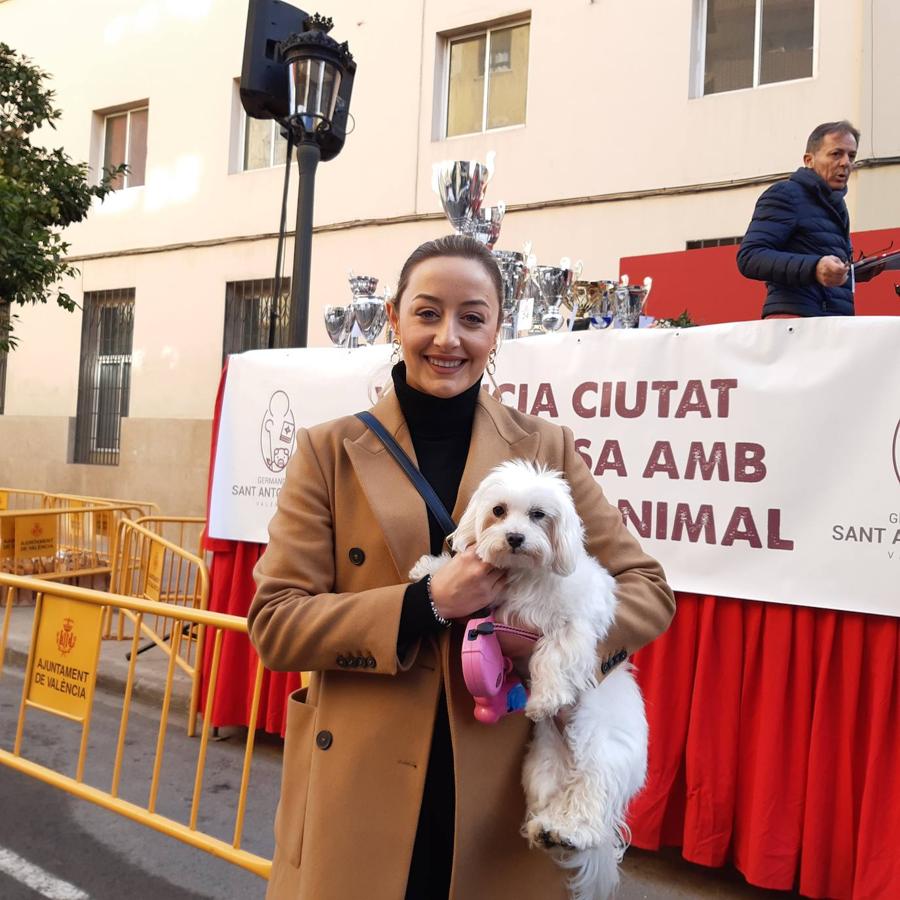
x,y
320,78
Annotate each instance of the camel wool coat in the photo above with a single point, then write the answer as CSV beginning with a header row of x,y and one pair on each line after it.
x,y
330,586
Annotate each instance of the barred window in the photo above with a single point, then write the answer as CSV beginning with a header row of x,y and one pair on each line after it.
x,y
4,335
254,320
703,243
104,379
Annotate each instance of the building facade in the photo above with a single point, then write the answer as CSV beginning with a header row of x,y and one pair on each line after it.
x,y
620,129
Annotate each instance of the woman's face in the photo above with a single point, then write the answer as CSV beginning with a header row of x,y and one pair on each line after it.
x,y
447,324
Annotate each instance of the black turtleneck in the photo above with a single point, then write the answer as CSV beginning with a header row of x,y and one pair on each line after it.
x,y
441,430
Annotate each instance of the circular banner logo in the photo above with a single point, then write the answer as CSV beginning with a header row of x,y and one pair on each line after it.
x,y
897,451
276,435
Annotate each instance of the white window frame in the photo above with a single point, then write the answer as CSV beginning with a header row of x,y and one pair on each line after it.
x,y
113,115
276,136
448,41
698,73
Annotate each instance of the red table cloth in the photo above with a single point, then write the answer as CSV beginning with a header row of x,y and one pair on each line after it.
x,y
774,734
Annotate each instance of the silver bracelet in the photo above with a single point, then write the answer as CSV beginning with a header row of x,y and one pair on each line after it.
x,y
445,623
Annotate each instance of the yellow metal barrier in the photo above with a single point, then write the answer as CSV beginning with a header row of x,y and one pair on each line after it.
x,y
185,531
138,507
74,685
17,498
62,543
149,566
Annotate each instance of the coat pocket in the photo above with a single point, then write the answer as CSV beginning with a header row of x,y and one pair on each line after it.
x,y
299,740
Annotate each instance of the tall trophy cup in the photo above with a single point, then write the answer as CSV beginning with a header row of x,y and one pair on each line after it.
x,y
630,302
461,184
514,275
339,321
484,225
586,297
368,308
552,283
601,311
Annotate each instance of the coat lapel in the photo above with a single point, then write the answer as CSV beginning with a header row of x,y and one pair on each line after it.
x,y
495,438
400,511
396,503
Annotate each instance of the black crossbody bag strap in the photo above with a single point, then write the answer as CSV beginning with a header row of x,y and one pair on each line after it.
x,y
439,511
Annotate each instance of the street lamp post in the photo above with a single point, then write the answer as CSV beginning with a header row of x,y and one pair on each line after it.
x,y
320,78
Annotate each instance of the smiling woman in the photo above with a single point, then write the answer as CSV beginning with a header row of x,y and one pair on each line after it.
x,y
447,316
371,774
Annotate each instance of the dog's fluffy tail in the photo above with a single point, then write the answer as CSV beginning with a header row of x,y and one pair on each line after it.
x,y
594,873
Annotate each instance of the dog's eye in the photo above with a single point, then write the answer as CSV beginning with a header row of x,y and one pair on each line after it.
x,y
499,511
536,514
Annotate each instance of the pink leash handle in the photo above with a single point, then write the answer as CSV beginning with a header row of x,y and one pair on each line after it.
x,y
488,674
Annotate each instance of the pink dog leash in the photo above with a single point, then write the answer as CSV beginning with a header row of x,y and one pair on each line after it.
x,y
488,674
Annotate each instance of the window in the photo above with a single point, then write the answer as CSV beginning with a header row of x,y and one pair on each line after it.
x,y
746,43
263,144
104,379
487,79
125,141
703,243
253,321
4,334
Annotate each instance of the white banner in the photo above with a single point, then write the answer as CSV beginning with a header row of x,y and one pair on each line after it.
x,y
758,460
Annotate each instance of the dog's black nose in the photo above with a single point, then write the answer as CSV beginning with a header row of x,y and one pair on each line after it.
x,y
515,540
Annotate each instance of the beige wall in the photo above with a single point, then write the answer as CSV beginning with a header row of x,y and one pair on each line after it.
x,y
609,110
162,460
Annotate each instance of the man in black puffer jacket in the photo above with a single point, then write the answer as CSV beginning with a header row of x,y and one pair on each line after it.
x,y
798,241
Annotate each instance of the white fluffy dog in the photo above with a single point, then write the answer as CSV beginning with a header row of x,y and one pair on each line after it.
x,y
577,782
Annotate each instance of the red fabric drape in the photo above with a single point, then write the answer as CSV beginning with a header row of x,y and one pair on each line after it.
x,y
231,590
775,741
774,733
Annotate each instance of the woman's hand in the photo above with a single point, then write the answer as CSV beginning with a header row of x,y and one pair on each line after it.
x,y
465,585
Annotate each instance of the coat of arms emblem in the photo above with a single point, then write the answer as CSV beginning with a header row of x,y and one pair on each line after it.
x,y
65,637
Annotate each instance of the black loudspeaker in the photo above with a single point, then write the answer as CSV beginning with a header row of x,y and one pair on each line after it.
x,y
264,85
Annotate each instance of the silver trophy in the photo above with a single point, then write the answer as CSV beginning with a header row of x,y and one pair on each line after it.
x,y
552,284
484,225
630,302
514,275
461,185
369,311
339,320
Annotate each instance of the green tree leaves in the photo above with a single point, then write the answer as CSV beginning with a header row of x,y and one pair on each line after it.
x,y
41,192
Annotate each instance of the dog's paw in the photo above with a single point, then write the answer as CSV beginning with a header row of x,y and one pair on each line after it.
x,y
546,704
428,565
539,708
543,831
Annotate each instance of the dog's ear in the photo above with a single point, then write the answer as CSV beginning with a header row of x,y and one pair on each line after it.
x,y
465,533
567,534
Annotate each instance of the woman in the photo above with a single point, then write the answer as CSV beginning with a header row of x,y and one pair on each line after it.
x,y
390,788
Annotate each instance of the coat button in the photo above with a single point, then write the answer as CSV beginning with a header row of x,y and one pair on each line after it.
x,y
323,740
370,662
357,557
342,661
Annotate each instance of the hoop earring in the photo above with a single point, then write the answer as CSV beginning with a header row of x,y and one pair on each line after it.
x,y
397,352
490,368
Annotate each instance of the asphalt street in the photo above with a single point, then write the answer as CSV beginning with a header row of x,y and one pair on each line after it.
x,y
66,848
103,855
